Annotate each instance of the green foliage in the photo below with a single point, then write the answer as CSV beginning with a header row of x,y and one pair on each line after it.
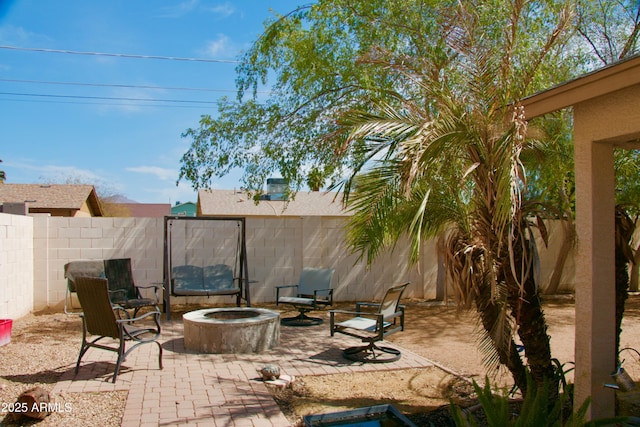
x,y
334,56
627,166
534,410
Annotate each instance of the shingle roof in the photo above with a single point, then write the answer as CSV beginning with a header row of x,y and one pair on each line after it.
x,y
237,203
146,210
50,196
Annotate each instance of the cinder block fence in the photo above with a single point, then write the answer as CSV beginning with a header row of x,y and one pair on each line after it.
x,y
34,250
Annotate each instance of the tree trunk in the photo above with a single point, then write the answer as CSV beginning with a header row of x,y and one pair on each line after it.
x,y
510,358
633,275
526,309
624,254
622,287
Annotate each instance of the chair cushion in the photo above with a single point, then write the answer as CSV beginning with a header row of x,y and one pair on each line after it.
x,y
361,323
217,277
296,300
135,303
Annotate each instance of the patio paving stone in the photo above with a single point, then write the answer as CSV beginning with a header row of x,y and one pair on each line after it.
x,y
215,389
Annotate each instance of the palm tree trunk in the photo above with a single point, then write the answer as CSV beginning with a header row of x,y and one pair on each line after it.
x,y
633,274
624,254
526,309
509,357
532,330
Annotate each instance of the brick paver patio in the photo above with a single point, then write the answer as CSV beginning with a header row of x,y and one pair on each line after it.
x,y
215,389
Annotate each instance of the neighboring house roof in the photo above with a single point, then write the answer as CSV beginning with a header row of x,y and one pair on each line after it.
x,y
55,199
145,210
187,209
237,203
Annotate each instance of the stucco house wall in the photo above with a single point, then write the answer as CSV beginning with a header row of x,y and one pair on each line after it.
x,y
600,125
606,116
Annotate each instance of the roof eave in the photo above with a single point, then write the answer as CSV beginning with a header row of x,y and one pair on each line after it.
x,y
613,77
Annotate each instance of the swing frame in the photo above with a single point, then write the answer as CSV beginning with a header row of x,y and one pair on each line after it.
x,y
240,268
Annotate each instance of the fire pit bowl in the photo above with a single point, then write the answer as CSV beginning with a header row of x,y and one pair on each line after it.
x,y
231,330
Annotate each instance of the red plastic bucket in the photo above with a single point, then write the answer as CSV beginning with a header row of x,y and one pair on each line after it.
x,y
5,331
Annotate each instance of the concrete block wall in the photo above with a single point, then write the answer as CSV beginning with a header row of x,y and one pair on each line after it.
x,y
58,240
277,250
16,266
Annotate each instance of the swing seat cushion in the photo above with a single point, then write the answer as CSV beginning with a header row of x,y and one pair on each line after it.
x,y
210,280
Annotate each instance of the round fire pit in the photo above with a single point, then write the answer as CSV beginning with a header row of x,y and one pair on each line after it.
x,y
231,330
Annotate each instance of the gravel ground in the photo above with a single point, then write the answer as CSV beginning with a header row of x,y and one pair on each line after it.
x,y
42,348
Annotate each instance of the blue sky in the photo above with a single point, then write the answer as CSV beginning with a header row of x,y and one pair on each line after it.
x,y
75,116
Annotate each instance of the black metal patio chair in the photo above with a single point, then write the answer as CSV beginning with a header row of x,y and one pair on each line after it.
x,y
371,327
99,319
123,290
312,292
74,270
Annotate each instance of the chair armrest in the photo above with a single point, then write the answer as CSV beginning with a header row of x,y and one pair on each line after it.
x,y
374,316
156,287
282,287
366,304
394,315
135,319
329,294
138,331
354,313
151,285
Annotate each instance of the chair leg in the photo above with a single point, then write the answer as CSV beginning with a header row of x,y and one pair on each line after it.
x,y
84,346
159,355
121,357
372,353
301,320
83,349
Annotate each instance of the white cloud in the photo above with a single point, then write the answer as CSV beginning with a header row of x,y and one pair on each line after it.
x,y
27,173
223,9
179,9
222,46
12,35
130,100
62,174
163,174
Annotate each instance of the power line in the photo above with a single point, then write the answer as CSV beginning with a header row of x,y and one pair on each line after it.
x,y
130,86
120,55
106,98
196,89
115,104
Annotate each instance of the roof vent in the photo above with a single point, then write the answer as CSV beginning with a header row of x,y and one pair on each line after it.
x,y
277,188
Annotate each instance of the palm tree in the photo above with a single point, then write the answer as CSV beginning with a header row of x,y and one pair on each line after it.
x,y
454,166
625,227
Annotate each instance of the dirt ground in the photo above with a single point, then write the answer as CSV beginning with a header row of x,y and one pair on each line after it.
x,y
447,337
439,333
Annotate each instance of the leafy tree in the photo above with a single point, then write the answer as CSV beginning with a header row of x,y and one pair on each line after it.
x,y
411,100
457,164
551,181
610,28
